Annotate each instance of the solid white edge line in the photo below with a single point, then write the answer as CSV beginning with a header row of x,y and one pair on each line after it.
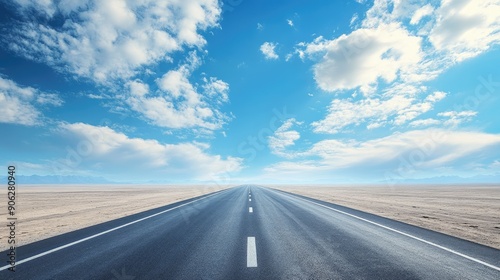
x,y
251,252
250,210
405,234
101,233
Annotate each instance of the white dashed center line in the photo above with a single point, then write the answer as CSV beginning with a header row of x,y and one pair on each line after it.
x,y
249,199
250,210
251,252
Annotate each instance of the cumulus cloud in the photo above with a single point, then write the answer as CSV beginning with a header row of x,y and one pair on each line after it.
x,y
268,50
20,105
363,57
104,150
178,103
284,137
398,156
108,40
385,54
465,29
457,29
383,49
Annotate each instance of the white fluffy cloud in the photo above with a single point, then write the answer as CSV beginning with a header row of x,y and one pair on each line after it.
x,y
363,57
457,29
421,13
19,105
396,109
103,150
385,56
178,103
396,157
284,137
268,50
108,40
465,29
216,89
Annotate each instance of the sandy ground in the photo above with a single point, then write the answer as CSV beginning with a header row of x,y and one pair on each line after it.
x,y
44,212
469,212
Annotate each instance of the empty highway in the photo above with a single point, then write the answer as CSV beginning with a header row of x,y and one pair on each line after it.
x,y
251,232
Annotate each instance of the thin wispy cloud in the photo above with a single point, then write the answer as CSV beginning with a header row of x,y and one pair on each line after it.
x,y
400,156
24,105
284,137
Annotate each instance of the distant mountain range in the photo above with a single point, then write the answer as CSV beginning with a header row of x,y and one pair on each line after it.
x,y
52,179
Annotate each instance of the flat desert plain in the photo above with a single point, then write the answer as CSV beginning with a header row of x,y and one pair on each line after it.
x,y
44,211
470,212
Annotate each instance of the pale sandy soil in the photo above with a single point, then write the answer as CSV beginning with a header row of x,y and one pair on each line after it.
x,y
469,212
44,212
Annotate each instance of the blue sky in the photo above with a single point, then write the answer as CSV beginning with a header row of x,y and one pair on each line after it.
x,y
251,91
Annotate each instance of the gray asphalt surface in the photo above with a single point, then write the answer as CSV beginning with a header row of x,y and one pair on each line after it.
x,y
210,237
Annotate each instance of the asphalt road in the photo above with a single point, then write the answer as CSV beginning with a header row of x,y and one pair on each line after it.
x,y
252,232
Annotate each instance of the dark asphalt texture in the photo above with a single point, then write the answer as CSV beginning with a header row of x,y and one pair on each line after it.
x,y
296,238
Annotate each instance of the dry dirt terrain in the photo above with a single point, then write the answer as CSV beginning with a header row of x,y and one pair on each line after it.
x,y
44,212
471,212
